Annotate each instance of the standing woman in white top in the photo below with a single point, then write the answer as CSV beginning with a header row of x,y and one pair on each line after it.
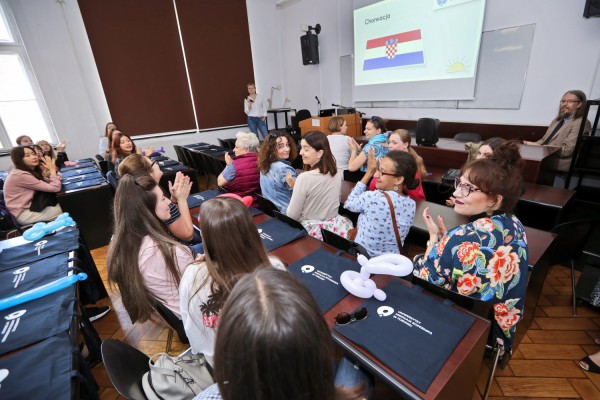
x,y
232,247
256,109
339,142
316,196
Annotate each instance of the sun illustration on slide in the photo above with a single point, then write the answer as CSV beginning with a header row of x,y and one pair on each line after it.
x,y
457,65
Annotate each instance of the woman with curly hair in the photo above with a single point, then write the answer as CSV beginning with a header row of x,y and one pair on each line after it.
x,y
487,257
277,176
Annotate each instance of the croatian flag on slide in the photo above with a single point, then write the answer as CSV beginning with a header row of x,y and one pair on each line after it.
x,y
399,50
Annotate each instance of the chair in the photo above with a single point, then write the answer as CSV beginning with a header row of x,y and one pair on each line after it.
x,y
569,244
340,243
427,131
173,323
301,115
290,221
483,309
112,179
99,157
125,366
468,137
266,205
228,143
180,156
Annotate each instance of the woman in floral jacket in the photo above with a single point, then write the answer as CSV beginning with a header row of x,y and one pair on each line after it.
x,y
487,258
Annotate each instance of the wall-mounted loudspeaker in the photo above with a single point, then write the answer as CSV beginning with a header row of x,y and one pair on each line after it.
x,y
310,48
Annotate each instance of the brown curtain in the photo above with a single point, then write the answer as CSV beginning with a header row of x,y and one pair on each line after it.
x,y
138,53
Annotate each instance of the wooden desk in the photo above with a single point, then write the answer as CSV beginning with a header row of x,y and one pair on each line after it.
x,y
320,124
540,162
538,242
455,380
540,206
91,208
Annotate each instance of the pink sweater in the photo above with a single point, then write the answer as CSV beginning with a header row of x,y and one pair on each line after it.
x,y
20,186
157,278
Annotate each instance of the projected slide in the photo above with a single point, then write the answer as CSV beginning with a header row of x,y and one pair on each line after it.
x,y
408,41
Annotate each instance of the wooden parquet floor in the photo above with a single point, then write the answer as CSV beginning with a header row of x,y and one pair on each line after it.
x,y
543,367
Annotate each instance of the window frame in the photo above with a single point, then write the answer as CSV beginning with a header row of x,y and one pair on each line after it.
x,y
17,46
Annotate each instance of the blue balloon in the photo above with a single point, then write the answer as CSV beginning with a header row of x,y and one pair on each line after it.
x,y
41,291
41,229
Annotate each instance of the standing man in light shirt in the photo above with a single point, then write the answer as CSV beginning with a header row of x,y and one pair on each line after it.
x,y
256,109
564,129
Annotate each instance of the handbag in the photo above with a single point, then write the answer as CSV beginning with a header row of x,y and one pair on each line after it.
x,y
177,378
41,200
398,240
450,176
352,232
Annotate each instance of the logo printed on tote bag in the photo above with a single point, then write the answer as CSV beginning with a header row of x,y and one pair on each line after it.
x,y
19,276
12,323
307,269
40,245
385,311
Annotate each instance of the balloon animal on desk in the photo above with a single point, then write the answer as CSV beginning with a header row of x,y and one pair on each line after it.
x,y
41,229
360,284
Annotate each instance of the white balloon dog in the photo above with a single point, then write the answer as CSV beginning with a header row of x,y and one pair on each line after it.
x,y
359,284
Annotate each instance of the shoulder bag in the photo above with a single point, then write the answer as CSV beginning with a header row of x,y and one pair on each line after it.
x,y
389,200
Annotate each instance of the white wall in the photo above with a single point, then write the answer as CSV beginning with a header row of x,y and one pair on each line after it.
x,y
565,55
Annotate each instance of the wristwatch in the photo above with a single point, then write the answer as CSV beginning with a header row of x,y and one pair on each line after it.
x,y
431,243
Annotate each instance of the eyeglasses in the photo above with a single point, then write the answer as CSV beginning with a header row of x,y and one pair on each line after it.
x,y
152,165
381,172
374,118
345,318
465,189
569,101
277,133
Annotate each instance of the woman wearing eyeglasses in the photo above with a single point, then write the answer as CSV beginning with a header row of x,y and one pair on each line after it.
x,y
374,131
179,222
487,258
232,247
376,231
400,140
316,197
277,176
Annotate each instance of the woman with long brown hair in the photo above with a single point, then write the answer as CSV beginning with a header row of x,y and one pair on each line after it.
x,y
316,197
28,195
232,246
273,344
143,260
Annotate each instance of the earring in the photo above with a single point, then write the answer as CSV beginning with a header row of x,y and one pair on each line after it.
x,y
395,188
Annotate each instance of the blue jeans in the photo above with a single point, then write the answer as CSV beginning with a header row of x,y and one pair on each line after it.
x,y
351,376
258,127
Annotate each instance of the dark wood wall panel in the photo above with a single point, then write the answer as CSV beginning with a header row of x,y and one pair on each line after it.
x,y
217,42
449,129
138,53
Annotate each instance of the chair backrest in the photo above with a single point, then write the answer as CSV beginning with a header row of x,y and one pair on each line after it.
x,y
125,366
99,157
340,243
171,319
111,177
303,114
180,157
222,142
484,309
196,161
427,131
571,239
468,137
290,221
266,205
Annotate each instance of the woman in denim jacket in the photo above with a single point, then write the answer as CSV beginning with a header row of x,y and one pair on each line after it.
x,y
277,176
